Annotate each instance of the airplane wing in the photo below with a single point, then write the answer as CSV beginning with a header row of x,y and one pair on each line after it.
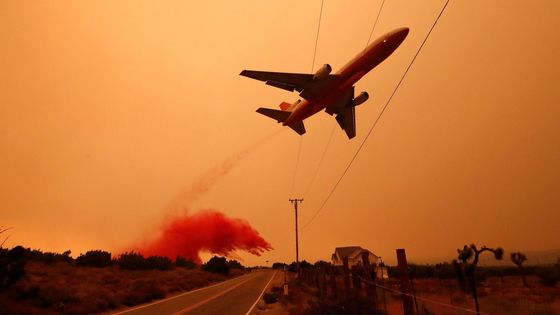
x,y
345,113
346,118
283,80
301,82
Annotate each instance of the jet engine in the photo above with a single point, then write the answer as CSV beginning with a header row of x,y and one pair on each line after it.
x,y
324,71
361,98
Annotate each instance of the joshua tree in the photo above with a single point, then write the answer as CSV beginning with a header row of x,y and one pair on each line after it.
x,y
518,259
469,257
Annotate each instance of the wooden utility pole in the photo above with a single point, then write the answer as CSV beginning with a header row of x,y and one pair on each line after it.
x,y
295,203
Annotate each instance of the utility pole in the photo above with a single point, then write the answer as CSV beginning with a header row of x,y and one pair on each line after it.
x,y
295,203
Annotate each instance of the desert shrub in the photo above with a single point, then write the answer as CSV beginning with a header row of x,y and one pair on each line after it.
x,y
132,261
353,303
135,261
12,266
52,295
159,262
322,264
270,298
48,258
421,271
234,264
216,265
444,271
29,292
94,258
185,263
549,275
143,291
278,265
302,265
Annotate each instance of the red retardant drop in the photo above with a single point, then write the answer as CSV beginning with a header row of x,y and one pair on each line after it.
x,y
208,230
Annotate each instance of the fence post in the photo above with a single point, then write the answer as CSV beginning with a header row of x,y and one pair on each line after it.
x,y
356,283
408,305
332,272
324,281
370,291
317,278
346,276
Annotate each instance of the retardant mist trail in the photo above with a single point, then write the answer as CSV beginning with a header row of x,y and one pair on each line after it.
x,y
187,235
207,230
208,180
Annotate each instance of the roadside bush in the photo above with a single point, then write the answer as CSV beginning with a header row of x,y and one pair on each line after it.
x,y
270,298
131,261
216,265
279,265
48,258
12,266
302,265
184,263
322,264
234,264
159,262
135,261
94,258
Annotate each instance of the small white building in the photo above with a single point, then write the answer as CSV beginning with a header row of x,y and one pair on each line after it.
x,y
354,254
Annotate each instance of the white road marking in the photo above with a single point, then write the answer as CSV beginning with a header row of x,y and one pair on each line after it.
x,y
260,296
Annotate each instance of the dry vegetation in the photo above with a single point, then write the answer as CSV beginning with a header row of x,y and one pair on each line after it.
x,y
63,288
497,296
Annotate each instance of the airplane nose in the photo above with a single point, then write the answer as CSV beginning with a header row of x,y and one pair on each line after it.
x,y
402,32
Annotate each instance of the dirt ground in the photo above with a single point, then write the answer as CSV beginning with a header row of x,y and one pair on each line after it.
x,y
496,296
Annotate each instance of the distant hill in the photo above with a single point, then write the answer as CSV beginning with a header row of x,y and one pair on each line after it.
x,y
540,257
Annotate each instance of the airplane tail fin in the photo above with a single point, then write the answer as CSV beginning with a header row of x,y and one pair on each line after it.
x,y
285,106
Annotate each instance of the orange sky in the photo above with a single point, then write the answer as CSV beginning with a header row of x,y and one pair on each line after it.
x,y
108,110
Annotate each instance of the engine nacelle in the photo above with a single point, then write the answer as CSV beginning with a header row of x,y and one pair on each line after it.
x,y
324,71
361,98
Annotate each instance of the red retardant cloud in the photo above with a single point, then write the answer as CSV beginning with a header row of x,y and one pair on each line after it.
x,y
208,230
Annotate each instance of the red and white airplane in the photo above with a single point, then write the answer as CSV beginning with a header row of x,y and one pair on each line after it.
x,y
323,90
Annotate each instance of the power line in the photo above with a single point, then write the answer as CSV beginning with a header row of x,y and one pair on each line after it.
x,y
317,37
375,23
377,119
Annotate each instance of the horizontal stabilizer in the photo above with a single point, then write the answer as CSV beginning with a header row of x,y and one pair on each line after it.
x,y
298,127
279,115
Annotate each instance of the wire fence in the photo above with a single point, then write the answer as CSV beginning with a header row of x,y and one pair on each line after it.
x,y
416,297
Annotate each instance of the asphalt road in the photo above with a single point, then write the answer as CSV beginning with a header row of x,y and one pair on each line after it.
x,y
235,296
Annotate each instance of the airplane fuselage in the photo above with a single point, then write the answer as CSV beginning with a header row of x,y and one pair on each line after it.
x,y
348,75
